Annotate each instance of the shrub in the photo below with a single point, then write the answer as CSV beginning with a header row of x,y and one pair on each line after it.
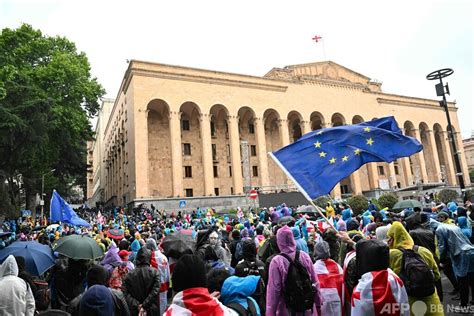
x,y
375,202
470,195
388,200
447,195
322,201
358,203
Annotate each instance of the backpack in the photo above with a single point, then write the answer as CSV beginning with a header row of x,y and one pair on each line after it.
x,y
42,298
415,274
260,291
250,311
118,275
299,291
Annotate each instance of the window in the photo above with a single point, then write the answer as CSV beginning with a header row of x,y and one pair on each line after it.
x,y
215,171
216,191
188,172
396,170
399,185
185,125
231,190
255,171
253,150
188,192
251,128
213,128
214,152
381,170
345,189
187,149
230,171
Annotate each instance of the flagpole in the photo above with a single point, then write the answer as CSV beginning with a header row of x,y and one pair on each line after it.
x,y
302,191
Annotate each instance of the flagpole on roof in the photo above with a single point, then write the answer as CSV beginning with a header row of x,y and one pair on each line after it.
x,y
300,188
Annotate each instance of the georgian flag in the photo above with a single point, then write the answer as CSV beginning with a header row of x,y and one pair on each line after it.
x,y
330,279
380,293
196,301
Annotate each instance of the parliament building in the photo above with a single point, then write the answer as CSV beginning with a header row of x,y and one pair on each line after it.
x,y
177,133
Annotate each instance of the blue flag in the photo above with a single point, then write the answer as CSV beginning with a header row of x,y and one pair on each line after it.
x,y
320,159
61,211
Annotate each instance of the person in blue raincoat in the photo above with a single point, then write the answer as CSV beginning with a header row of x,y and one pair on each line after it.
x,y
238,290
301,244
454,244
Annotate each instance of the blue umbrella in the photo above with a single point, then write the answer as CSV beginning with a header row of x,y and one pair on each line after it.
x,y
38,257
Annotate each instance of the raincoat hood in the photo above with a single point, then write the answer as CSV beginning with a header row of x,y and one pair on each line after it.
x,y
321,250
401,238
249,249
462,222
143,257
111,256
381,232
296,232
9,267
286,242
372,255
236,290
151,244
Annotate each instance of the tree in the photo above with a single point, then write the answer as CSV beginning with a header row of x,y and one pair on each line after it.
x,y
322,201
471,175
447,195
388,200
47,96
358,203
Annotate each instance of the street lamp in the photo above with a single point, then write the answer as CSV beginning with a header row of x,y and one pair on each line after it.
x,y
441,90
42,192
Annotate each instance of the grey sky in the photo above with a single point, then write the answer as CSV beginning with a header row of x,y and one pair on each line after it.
x,y
396,42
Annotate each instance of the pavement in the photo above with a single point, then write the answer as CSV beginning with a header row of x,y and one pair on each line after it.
x,y
448,301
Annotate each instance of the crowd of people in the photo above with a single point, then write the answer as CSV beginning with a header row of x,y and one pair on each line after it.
x,y
270,261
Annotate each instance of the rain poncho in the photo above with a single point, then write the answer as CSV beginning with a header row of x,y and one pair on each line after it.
x,y
465,227
237,290
16,297
453,243
402,239
300,243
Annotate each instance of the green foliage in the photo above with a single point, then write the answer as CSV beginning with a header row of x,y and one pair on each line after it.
x,y
47,96
471,175
387,200
447,195
358,203
322,201
375,202
470,195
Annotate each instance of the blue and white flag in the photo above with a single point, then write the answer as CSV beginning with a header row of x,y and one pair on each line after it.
x,y
320,159
61,211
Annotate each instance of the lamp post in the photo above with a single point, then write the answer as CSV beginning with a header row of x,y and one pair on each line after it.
x,y
441,90
42,192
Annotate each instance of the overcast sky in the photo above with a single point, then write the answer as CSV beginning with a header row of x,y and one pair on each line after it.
x,y
397,43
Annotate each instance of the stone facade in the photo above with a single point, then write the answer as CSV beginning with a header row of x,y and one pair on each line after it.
x,y
176,132
468,145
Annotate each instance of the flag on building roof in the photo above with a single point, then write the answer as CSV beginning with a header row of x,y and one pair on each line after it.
x,y
61,211
320,159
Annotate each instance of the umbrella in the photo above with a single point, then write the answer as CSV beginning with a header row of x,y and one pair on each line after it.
x,y
177,244
406,204
78,247
38,257
116,234
39,228
286,220
52,226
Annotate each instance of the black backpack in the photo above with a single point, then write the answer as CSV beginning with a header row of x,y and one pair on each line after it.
x,y
299,291
260,291
415,274
250,311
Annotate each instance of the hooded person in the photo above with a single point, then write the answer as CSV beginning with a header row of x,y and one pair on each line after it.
x,y
400,241
381,233
454,244
379,291
111,258
16,297
465,226
160,262
330,279
278,272
301,244
192,296
141,286
236,293
97,301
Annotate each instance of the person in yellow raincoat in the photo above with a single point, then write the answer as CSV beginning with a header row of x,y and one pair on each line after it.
x,y
398,237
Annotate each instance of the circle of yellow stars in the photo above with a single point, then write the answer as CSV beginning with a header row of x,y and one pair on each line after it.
x,y
357,151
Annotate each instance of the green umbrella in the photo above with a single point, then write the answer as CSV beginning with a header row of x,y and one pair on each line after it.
x,y
406,204
78,247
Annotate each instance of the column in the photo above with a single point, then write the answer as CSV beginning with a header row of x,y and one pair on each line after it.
x,y
205,122
140,139
449,159
373,175
262,151
284,134
306,126
462,159
434,151
176,153
233,122
421,158
407,171
355,181
392,177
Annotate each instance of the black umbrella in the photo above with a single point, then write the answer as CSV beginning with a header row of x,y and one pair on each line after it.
x,y
286,220
179,243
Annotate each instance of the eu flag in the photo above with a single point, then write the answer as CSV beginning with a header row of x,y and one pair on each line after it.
x,y
322,158
61,211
